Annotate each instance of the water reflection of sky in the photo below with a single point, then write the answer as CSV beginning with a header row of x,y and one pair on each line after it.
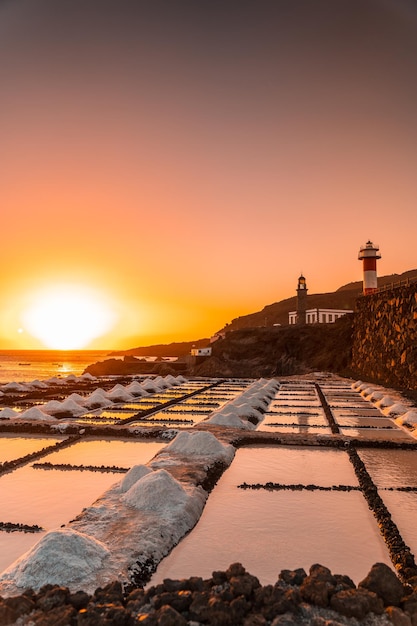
x,y
12,447
270,531
53,497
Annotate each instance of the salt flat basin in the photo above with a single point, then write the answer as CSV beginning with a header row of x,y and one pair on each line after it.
x,y
12,447
50,498
272,530
300,419
119,452
403,506
380,434
301,429
295,410
353,410
391,468
363,422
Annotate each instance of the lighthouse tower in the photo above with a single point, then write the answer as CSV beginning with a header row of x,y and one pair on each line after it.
x,y
301,300
369,253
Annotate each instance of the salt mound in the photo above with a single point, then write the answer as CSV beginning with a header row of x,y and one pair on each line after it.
x,y
149,385
14,387
136,389
67,406
97,399
230,419
51,407
87,376
376,395
161,382
395,409
71,406
119,395
38,384
77,398
384,402
61,557
8,413
157,492
35,413
408,418
200,444
133,475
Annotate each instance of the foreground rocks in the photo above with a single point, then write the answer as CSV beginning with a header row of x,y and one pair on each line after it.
x,y
229,598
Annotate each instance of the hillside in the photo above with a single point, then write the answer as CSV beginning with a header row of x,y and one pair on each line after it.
x,y
343,298
160,350
281,350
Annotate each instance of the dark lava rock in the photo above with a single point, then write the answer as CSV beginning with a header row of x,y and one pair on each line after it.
x,y
398,617
20,605
178,600
356,603
273,600
57,596
383,581
318,587
230,598
293,577
244,585
7,614
79,600
167,616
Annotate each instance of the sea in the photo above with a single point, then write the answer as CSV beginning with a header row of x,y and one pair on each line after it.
x,y
28,365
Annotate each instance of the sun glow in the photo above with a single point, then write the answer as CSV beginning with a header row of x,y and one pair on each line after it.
x,y
68,317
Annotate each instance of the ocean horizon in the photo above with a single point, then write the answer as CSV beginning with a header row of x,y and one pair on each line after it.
x,y
28,365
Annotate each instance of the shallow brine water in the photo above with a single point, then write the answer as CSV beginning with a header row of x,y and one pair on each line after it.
x,y
379,434
300,419
391,468
123,453
52,497
271,530
12,447
300,429
363,422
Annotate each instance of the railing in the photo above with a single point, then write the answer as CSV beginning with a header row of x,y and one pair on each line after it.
x,y
400,283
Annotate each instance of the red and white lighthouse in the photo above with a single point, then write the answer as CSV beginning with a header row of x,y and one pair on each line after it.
x,y
369,253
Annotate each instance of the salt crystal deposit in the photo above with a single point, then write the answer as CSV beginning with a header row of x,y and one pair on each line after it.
x,y
158,492
8,413
200,443
63,555
133,475
34,413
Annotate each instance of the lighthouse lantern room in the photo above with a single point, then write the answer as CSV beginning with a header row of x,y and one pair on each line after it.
x,y
369,253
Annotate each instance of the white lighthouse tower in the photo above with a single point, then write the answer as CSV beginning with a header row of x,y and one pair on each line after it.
x,y
369,253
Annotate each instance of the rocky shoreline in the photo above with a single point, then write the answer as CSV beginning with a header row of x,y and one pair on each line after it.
x,y
229,598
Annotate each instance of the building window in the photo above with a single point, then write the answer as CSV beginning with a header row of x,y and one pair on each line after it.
x,y
330,317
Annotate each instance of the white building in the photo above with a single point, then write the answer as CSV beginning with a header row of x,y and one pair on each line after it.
x,y
319,316
201,352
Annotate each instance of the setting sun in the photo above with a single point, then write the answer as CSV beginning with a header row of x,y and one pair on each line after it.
x,y
68,317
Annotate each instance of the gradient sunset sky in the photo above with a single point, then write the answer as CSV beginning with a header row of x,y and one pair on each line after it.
x,y
183,162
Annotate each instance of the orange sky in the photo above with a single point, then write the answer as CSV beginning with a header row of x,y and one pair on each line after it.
x,y
186,160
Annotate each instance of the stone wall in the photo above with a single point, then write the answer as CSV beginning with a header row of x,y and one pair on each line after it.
x,y
385,337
